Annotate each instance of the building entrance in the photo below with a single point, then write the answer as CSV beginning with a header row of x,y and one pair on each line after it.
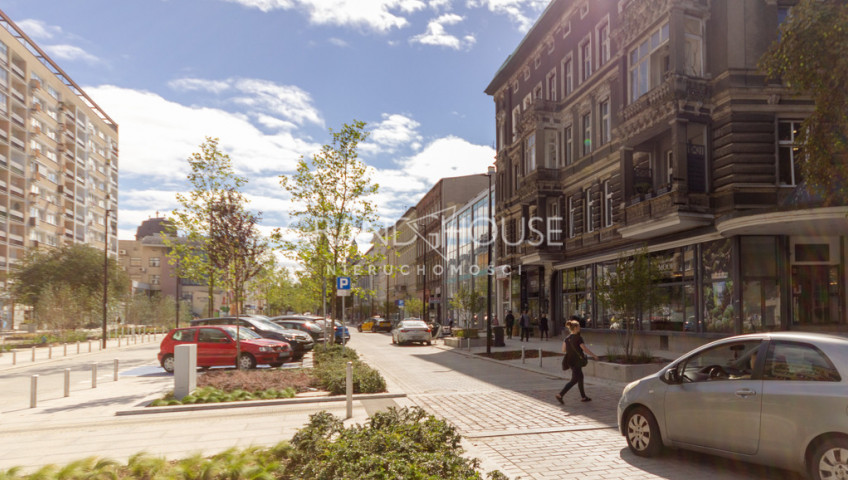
x,y
815,295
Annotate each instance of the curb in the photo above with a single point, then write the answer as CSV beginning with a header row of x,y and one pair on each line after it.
x,y
253,403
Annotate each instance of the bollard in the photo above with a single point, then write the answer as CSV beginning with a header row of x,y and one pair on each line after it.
x,y
349,390
119,341
49,351
2,345
93,375
77,346
33,354
89,346
33,389
14,357
540,357
522,354
116,369
67,382
65,349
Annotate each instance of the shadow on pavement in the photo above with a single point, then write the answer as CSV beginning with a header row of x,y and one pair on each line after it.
x,y
672,459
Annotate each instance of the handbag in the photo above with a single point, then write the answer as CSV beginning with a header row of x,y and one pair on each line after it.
x,y
584,360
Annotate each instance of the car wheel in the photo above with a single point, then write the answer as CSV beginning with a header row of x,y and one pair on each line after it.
x,y
429,342
246,362
642,432
296,358
393,340
168,363
830,460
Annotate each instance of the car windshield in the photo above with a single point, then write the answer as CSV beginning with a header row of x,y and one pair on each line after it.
x,y
243,333
413,324
267,324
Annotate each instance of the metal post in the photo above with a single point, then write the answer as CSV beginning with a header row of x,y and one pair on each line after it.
x,y
116,369
93,375
349,390
33,389
67,382
106,269
33,354
89,346
14,357
343,326
49,351
64,349
489,172
78,347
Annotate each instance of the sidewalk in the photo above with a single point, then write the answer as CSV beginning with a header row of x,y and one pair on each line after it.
x,y
47,353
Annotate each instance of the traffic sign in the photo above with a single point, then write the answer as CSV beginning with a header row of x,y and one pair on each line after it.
x,y
343,286
399,303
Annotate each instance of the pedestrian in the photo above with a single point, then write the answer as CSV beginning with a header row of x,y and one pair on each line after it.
x,y
543,328
524,325
575,350
510,322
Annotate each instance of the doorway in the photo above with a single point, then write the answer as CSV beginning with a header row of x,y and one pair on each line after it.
x,y
815,294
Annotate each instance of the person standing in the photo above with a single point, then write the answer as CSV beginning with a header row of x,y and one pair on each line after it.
x,y
524,325
543,328
510,322
574,348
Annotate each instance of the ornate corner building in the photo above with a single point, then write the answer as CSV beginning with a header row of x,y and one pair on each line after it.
x,y
58,158
624,124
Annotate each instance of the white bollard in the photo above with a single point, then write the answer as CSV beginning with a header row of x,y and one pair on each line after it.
x,y
540,357
49,351
33,354
14,357
93,375
65,349
67,382
349,390
33,389
78,347
89,346
116,369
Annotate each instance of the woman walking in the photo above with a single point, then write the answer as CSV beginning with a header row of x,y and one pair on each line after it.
x,y
575,349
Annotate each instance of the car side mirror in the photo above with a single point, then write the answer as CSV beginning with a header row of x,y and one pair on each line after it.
x,y
672,376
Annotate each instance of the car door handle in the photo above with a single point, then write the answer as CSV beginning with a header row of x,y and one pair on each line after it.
x,y
745,393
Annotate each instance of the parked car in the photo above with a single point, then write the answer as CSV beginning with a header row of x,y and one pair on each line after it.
x,y
340,332
412,330
375,324
299,341
216,346
303,323
776,399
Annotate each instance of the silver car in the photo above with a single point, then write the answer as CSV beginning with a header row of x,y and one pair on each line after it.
x,y
778,399
410,330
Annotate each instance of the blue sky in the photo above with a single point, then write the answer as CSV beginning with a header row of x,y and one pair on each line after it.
x,y
269,77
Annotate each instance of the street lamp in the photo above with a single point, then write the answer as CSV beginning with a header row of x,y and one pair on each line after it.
x,y
489,174
106,271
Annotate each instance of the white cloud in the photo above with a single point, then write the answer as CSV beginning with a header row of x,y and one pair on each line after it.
x,y
199,84
392,133
522,12
338,42
70,53
436,34
38,29
448,157
376,15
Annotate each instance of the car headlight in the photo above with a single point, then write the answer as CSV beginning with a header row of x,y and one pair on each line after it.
x,y
266,349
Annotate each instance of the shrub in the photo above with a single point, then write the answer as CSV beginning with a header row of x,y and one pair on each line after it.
x,y
332,376
214,395
466,333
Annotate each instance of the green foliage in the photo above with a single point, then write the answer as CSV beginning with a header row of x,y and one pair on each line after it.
x,y
811,57
467,301
143,309
65,284
331,371
631,289
413,307
214,395
398,443
466,333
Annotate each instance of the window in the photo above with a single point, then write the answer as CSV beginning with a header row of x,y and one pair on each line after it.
x,y
551,83
728,361
537,92
788,172
572,216
669,167
514,86
607,203
585,59
135,261
528,100
567,76
569,146
603,43
648,63
589,202
693,47
551,148
798,362
516,175
212,335
587,133
604,110
554,221
154,279
4,53
530,153
154,261
516,119
584,10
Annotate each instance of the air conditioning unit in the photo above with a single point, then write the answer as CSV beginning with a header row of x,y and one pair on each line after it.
x,y
122,252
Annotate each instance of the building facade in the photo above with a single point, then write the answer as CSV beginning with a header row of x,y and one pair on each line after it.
x,y
58,158
630,124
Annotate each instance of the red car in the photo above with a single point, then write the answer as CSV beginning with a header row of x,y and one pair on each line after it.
x,y
216,346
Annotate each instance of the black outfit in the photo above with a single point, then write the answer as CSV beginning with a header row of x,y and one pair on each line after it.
x,y
543,328
573,352
510,321
524,323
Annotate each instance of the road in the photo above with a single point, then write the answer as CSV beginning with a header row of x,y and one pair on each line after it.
x,y
511,421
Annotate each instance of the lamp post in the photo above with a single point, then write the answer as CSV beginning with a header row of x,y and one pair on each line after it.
x,y
106,271
489,173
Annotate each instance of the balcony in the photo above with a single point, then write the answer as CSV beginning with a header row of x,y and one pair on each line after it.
x,y
665,214
16,215
17,119
18,95
17,191
661,102
18,71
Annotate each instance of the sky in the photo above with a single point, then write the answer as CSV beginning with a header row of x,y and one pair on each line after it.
x,y
269,78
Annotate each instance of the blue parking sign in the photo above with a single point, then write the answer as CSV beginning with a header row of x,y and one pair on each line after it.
x,y
342,283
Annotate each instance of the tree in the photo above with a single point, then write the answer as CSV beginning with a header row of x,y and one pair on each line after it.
x,y
187,238
331,193
413,306
631,290
48,278
811,57
467,301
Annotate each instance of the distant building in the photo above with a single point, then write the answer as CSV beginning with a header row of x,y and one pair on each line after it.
x,y
58,158
624,124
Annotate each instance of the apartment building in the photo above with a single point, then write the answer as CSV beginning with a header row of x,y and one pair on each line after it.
x,y
624,124
58,157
